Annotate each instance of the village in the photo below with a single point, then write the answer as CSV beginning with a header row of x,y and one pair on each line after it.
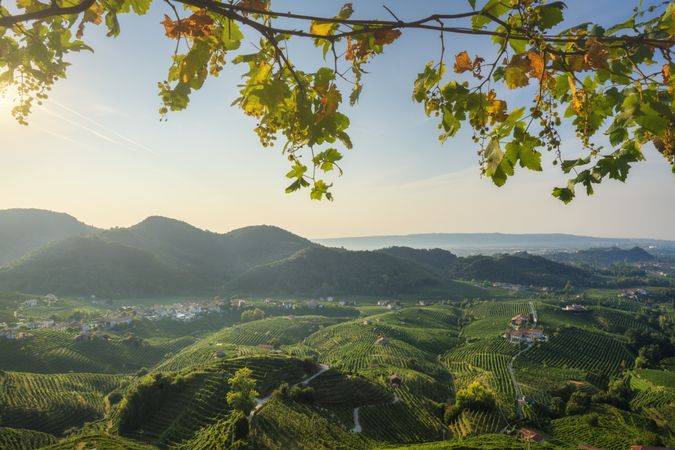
x,y
123,316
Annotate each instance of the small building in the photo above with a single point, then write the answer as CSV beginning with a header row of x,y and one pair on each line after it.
x,y
8,333
395,380
575,308
528,336
529,435
366,322
30,303
382,341
51,298
520,320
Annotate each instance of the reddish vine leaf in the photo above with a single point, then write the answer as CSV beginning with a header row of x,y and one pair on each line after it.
x,y
198,25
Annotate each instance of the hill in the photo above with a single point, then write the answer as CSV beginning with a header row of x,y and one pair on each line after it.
x,y
90,265
436,260
156,257
521,268
603,256
25,230
324,271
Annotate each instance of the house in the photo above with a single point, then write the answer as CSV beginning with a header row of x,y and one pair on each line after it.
x,y
30,303
51,298
520,320
575,308
8,333
45,324
113,321
529,435
531,335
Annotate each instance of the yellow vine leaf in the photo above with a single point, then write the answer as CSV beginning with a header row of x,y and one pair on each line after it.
x,y
322,29
516,72
463,62
496,109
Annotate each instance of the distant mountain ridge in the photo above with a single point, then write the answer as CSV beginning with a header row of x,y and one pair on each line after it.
x,y
489,243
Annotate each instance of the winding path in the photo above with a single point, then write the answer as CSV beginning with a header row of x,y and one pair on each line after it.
x,y
357,425
520,398
260,402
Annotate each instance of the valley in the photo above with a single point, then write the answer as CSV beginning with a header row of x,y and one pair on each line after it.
x,y
288,344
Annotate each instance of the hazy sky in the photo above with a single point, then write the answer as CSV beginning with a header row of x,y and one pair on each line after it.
x,y
98,151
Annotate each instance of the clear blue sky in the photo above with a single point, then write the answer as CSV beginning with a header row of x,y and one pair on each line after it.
x,y
98,151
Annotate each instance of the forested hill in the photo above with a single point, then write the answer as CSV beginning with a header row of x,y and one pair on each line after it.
x,y
161,256
25,230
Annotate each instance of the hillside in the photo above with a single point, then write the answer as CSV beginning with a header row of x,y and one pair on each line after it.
x,y
325,271
603,256
25,230
90,265
436,260
521,268
156,257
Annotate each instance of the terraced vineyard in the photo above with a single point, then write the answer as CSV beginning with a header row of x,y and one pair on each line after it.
x,y
598,355
394,382
53,351
21,439
246,339
51,403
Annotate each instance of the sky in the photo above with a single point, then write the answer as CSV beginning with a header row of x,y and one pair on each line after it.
x,y
98,151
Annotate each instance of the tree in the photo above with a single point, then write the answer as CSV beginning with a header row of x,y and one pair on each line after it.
x,y
475,397
252,314
242,392
614,81
578,403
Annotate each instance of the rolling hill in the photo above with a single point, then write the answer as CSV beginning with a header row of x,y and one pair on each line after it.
x,y
605,256
521,268
25,230
325,271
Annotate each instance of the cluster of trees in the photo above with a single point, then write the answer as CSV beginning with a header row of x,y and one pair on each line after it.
x,y
252,314
652,346
146,398
475,397
297,393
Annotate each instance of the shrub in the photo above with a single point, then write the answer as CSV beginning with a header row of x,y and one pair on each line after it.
x,y
475,397
240,428
578,403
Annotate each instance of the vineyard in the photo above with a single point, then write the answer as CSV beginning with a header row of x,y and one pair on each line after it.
x,y
613,430
52,403
391,377
53,351
200,402
21,439
598,355
255,337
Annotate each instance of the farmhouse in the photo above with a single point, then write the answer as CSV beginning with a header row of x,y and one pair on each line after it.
x,y
30,303
529,435
113,321
520,320
531,335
